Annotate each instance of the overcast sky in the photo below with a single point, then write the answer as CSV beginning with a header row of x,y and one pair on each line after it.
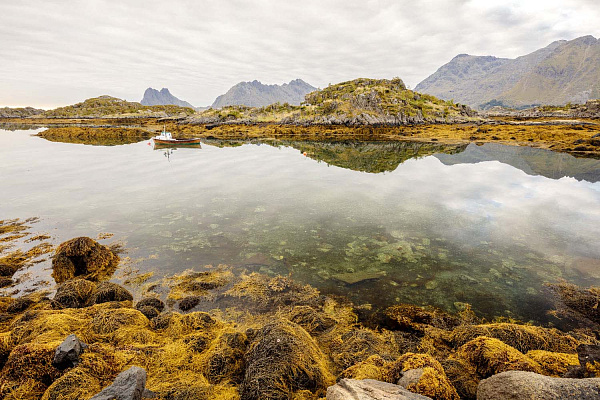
x,y
60,52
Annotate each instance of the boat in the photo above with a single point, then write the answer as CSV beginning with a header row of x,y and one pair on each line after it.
x,y
166,139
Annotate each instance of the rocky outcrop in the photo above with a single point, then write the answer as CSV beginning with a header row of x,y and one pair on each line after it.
x,y
257,94
564,71
153,97
7,112
369,389
591,109
517,385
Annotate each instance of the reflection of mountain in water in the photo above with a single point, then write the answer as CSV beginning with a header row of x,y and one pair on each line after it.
x,y
371,157
530,160
11,126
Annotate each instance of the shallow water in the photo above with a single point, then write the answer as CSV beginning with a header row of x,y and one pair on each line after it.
x,y
486,225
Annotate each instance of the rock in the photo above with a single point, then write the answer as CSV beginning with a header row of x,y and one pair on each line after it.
x,y
588,353
128,385
355,277
519,385
410,377
67,353
369,389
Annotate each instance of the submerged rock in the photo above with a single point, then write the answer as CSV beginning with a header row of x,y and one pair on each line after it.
x,y
351,278
369,389
67,353
128,385
516,385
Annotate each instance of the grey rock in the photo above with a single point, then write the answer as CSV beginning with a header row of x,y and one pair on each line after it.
x,y
517,385
369,389
410,377
67,353
128,385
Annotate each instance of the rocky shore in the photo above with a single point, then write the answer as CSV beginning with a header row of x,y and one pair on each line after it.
x,y
213,334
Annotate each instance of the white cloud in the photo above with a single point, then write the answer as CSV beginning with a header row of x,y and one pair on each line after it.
x,y
60,52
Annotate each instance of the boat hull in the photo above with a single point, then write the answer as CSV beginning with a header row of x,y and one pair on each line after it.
x,y
176,142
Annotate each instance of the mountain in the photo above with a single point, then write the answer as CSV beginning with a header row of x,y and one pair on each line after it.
x,y
153,97
107,106
256,94
563,72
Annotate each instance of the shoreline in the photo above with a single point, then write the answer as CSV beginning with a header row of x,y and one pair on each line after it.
x,y
267,328
577,137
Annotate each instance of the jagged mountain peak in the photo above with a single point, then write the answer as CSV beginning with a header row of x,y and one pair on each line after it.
x,y
153,97
257,94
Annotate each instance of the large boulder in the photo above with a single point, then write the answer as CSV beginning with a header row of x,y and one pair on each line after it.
x,y
281,360
517,385
83,257
369,389
128,385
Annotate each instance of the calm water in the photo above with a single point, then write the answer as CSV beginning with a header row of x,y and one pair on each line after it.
x,y
485,225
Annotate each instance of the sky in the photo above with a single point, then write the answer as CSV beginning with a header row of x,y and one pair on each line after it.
x,y
59,52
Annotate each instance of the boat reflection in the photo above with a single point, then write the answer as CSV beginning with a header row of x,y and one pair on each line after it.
x,y
169,149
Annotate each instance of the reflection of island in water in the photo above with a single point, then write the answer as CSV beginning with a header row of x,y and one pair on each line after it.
x,y
373,157
111,136
530,160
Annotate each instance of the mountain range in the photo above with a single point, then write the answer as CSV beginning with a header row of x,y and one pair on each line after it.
x,y
153,97
257,94
563,72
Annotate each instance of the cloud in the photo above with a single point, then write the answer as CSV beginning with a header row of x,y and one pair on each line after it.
x,y
60,52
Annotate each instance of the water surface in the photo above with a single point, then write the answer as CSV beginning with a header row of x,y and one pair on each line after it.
x,y
486,225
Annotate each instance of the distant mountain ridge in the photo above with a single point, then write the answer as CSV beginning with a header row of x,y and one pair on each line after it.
x,y
562,72
257,94
153,97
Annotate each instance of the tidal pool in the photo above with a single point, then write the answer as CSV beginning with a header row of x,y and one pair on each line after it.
x,y
380,223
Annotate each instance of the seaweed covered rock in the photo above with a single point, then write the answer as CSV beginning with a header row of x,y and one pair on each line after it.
x,y
149,312
29,368
4,281
284,359
421,373
189,302
357,345
108,291
489,356
553,364
225,357
110,320
578,305
406,317
75,293
373,367
153,302
522,337
311,320
83,257
369,389
75,384
517,385
19,305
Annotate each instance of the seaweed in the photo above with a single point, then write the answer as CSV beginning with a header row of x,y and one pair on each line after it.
x,y
108,291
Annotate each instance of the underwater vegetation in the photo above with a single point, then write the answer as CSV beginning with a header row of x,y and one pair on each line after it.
x,y
255,336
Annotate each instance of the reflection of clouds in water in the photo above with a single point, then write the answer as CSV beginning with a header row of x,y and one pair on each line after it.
x,y
492,193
